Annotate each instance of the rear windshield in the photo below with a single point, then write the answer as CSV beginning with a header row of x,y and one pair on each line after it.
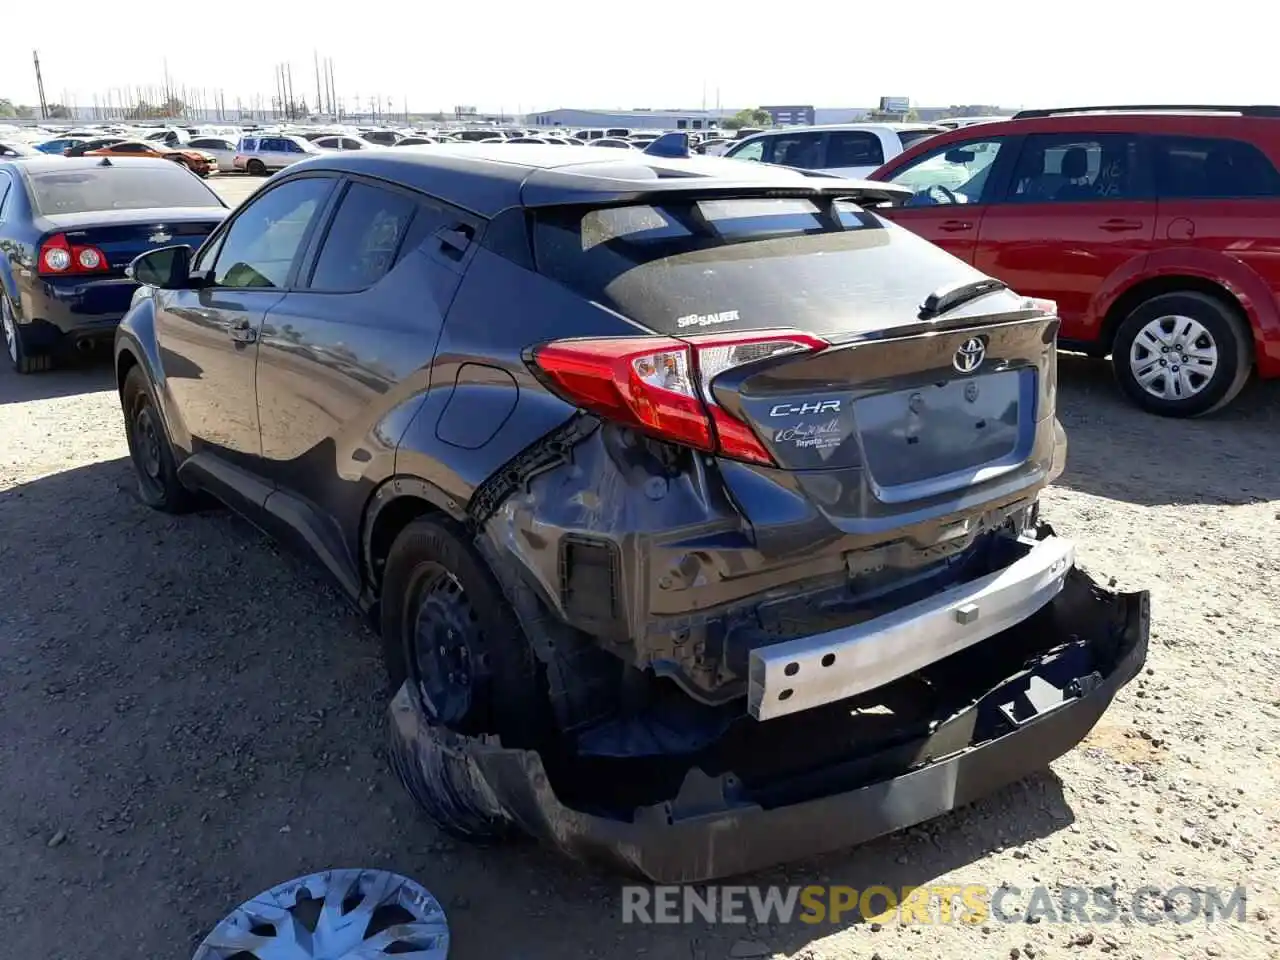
x,y
118,188
911,137
704,266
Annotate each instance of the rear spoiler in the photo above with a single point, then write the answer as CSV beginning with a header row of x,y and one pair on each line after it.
x,y
563,187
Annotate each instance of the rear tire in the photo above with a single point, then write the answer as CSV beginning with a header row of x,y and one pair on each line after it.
x,y
150,450
21,357
1183,354
256,168
448,630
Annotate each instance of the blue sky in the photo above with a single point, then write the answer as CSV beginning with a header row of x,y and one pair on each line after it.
x,y
659,53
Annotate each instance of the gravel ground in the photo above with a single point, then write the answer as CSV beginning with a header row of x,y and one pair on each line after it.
x,y
191,715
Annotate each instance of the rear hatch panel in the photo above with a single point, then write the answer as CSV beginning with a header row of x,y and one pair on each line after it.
x,y
895,414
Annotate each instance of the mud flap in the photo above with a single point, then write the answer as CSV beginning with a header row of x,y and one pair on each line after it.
x,y
716,825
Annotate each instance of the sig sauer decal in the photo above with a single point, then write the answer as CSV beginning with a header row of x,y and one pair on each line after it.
x,y
706,319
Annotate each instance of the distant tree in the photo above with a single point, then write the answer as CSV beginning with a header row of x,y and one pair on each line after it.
x,y
751,117
173,107
25,112
882,116
57,111
7,109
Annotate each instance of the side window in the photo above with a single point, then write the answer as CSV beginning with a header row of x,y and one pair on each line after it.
x,y
751,151
1064,168
5,186
853,148
202,144
248,144
261,245
363,239
131,148
956,173
290,146
1212,168
800,150
349,144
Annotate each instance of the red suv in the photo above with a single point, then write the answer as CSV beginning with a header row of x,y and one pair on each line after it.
x,y
1156,229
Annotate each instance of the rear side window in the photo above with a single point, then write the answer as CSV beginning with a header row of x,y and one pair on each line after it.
x,y
248,143
1064,168
1213,168
854,148
704,266
119,188
363,240
5,186
800,150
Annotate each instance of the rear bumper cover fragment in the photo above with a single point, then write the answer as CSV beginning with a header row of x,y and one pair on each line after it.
x,y
714,828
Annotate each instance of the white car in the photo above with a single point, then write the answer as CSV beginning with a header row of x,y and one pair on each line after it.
x,y
220,148
845,150
955,123
260,154
346,142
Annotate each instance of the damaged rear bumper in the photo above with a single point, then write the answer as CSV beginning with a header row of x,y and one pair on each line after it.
x,y
1083,647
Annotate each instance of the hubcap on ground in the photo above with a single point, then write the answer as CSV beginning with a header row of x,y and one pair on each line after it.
x,y
1173,357
335,915
10,333
444,633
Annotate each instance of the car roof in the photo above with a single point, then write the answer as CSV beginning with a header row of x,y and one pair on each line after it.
x,y
58,164
489,178
826,127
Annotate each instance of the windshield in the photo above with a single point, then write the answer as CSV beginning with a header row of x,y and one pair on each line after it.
x,y
742,263
119,188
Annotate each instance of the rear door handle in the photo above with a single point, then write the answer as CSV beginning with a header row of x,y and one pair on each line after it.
x,y
1120,225
242,332
955,226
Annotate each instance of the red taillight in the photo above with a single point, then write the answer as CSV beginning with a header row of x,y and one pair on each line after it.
x,y
59,258
662,386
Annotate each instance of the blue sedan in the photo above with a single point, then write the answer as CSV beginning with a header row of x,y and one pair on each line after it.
x,y
68,229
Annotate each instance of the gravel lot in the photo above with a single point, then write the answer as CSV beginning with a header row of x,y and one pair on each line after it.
x,y
191,715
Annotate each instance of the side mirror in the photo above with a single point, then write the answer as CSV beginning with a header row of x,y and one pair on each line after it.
x,y
168,268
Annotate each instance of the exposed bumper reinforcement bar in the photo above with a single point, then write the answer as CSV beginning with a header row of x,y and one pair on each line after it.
x,y
811,671
1093,642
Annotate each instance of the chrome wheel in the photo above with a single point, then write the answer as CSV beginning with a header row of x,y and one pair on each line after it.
x,y
1173,357
10,332
336,915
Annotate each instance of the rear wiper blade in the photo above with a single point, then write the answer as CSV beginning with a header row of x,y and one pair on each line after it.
x,y
946,299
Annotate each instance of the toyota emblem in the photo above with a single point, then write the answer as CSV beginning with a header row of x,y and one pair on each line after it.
x,y
970,355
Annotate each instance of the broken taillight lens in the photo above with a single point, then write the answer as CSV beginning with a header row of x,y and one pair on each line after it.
x,y
662,386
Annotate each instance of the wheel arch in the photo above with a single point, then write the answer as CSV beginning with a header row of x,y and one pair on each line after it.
x,y
396,503
1138,293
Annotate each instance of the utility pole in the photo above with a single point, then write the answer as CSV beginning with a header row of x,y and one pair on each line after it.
x,y
319,100
288,72
334,105
44,105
